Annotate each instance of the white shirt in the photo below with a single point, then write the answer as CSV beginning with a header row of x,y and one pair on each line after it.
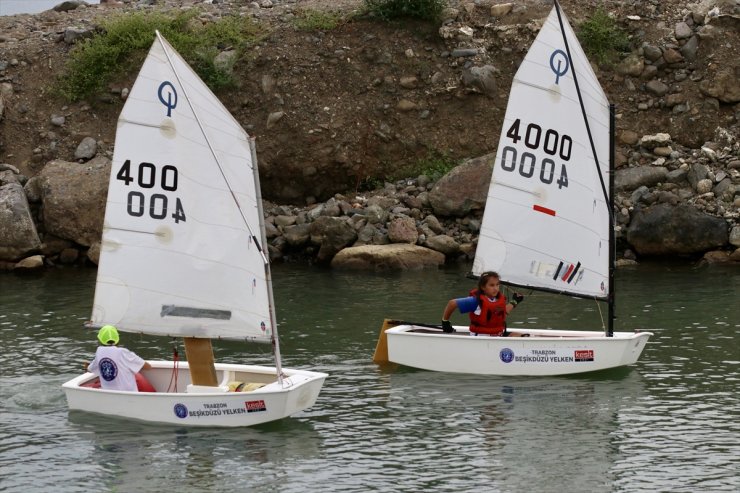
x,y
117,368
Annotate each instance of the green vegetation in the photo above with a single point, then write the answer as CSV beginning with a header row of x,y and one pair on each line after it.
x,y
369,184
316,20
124,40
602,38
435,165
428,10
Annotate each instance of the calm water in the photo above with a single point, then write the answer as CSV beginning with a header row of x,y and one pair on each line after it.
x,y
669,423
10,7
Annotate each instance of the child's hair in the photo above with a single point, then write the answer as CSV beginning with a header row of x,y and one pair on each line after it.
x,y
483,279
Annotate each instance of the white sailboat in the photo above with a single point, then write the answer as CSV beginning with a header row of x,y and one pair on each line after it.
x,y
547,224
183,255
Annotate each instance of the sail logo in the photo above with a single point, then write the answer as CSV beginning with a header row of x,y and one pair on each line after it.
x,y
559,64
506,355
255,406
181,411
171,96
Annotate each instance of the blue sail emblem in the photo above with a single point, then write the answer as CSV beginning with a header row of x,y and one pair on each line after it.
x,y
559,64
171,96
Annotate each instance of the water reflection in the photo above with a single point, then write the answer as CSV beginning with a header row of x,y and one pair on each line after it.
x,y
518,431
197,459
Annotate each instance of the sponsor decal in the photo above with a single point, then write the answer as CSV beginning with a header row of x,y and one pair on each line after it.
x,y
547,356
216,409
255,406
181,411
584,355
506,355
208,409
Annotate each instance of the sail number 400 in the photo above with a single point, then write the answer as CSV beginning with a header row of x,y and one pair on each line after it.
x,y
148,177
552,144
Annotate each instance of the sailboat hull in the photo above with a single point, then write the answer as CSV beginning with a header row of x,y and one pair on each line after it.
x,y
541,353
198,406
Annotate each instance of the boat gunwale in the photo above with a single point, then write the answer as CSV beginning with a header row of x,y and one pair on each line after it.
x,y
407,330
269,388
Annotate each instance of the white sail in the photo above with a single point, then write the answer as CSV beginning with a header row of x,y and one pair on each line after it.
x,y
546,223
178,256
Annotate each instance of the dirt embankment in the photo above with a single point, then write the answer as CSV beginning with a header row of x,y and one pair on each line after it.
x,y
332,109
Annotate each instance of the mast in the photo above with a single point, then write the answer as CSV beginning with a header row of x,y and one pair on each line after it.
x,y
266,258
612,243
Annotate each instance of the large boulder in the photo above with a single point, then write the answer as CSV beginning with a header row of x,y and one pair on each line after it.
x,y
665,230
297,235
397,256
332,234
444,244
463,189
73,196
17,230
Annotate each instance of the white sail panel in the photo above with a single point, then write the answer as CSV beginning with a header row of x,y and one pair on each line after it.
x,y
546,223
177,256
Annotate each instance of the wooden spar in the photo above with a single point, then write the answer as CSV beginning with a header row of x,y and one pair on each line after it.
x,y
199,354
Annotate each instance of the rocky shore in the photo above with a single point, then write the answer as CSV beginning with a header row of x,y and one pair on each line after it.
x,y
678,149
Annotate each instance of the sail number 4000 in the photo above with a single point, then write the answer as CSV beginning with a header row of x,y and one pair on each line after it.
x,y
553,144
148,177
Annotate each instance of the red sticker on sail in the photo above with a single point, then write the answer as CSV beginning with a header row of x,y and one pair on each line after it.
x,y
544,210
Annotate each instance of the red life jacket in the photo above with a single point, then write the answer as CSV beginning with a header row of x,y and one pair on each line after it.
x,y
492,317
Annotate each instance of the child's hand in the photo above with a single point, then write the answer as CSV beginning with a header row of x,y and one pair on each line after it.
x,y
85,365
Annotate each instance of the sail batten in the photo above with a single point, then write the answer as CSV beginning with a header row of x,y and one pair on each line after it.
x,y
546,218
